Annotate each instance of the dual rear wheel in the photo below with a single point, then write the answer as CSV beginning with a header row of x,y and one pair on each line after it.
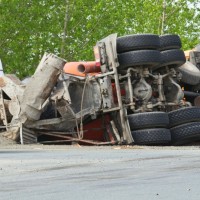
x,y
150,128
176,127
149,50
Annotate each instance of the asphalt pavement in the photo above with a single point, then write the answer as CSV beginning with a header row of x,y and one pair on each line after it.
x,y
99,173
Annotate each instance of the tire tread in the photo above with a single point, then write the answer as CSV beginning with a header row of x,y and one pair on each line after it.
x,y
152,136
137,42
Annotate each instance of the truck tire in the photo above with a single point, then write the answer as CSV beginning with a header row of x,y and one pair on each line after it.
x,y
185,133
184,115
155,136
173,57
190,73
170,41
148,58
137,42
148,120
189,77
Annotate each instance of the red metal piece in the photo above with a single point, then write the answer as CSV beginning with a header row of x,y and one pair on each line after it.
x,y
94,130
99,130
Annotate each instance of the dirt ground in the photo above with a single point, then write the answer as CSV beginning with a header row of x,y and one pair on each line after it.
x,y
4,141
10,144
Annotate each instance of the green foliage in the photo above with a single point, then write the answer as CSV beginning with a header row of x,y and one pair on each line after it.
x,y
30,27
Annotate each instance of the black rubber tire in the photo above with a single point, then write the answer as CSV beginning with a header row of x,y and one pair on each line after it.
x,y
184,115
148,58
148,120
170,41
137,42
185,133
189,77
174,58
155,136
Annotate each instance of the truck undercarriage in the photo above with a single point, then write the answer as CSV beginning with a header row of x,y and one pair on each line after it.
x,y
133,93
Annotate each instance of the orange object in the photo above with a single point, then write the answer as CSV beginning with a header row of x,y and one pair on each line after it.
x,y
81,68
187,53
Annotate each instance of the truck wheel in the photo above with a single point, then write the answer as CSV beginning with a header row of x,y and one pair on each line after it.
x,y
152,136
148,58
190,73
174,57
184,115
185,133
170,42
137,42
148,120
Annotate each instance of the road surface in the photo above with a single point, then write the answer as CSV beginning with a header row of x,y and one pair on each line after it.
x,y
37,172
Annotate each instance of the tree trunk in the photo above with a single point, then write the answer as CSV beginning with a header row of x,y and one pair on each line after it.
x,y
65,29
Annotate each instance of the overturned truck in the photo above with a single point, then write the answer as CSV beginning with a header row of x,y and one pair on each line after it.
x,y
131,94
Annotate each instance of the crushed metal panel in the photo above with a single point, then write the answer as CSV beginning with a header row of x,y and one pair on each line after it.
x,y
40,86
55,124
13,88
11,85
75,88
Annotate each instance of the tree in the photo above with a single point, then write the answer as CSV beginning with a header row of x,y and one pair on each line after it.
x,y
30,27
